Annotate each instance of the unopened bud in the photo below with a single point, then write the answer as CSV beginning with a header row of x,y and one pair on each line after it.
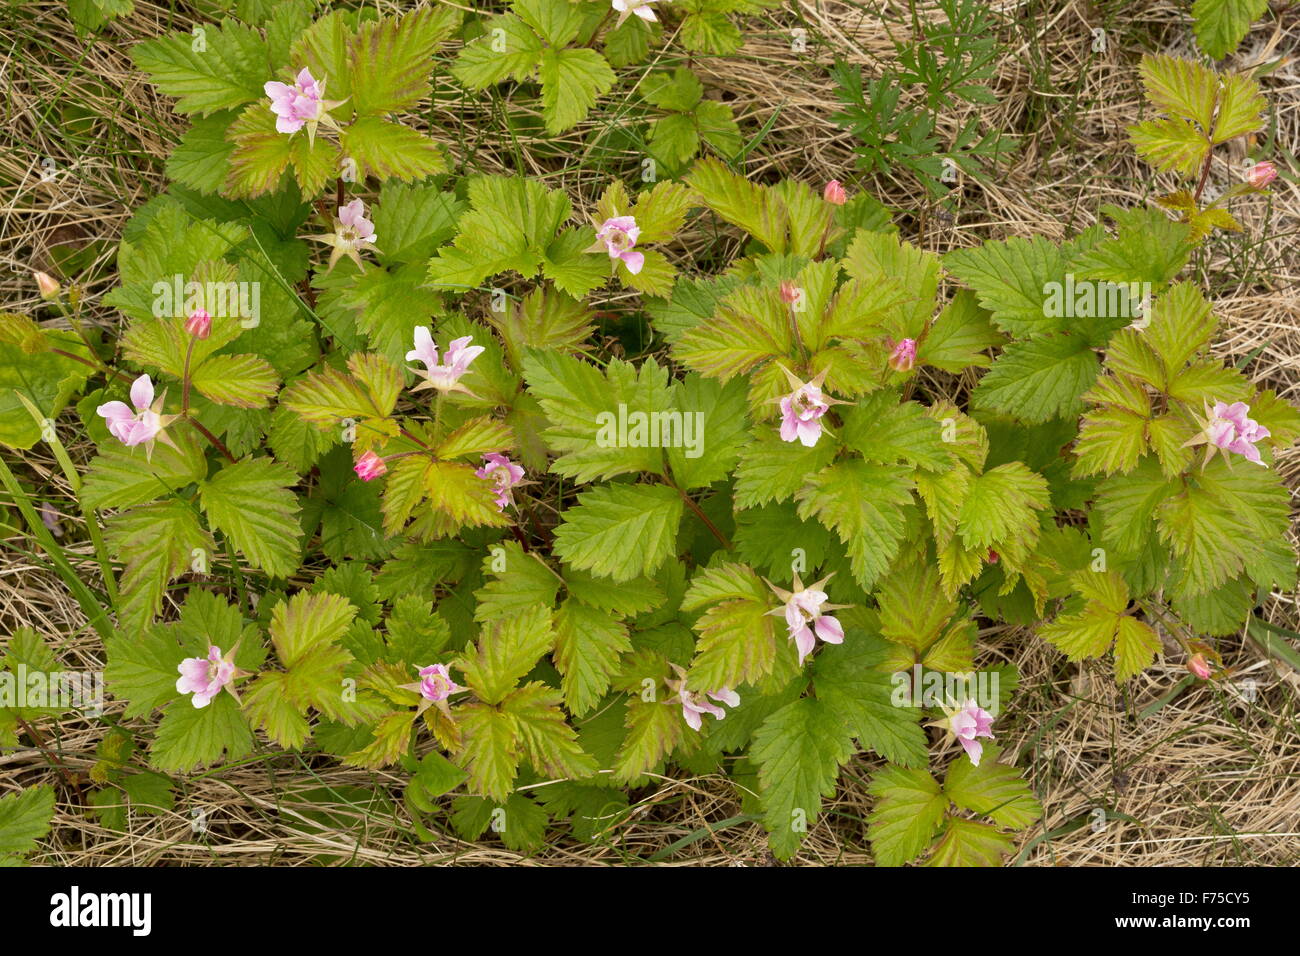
x,y
369,466
1261,174
834,193
199,324
904,356
1199,666
48,285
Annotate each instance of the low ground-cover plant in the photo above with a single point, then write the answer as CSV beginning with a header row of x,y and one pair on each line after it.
x,y
370,489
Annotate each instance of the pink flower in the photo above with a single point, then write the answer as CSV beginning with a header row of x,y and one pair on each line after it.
x,y
1261,174
141,426
640,7
1229,428
445,378
204,677
695,704
904,356
199,324
48,285
805,615
1198,665
352,233
834,193
302,104
504,475
790,293
618,235
436,683
369,466
803,408
967,724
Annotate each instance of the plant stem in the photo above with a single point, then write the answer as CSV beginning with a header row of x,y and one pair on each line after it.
x,y
216,442
690,503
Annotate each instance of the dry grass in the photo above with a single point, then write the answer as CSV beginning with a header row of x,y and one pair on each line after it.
x,y
1207,778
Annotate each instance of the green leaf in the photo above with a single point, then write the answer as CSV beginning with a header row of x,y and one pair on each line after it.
x,y
1181,87
390,58
992,789
1103,621
489,750
493,57
1008,277
588,645
715,429
750,326
959,337
850,681
865,504
201,157
604,425
1039,379
189,737
414,220
884,430
620,531
245,381
1000,507
506,650
510,224
571,81
226,72
799,750
388,150
524,580
970,843
120,476
25,818
545,738
250,502
1171,144
738,642
654,730
775,470
155,543
910,807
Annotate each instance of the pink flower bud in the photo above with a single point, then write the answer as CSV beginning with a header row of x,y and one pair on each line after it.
x,y
199,324
790,292
904,356
834,193
369,466
48,285
1261,174
1198,665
